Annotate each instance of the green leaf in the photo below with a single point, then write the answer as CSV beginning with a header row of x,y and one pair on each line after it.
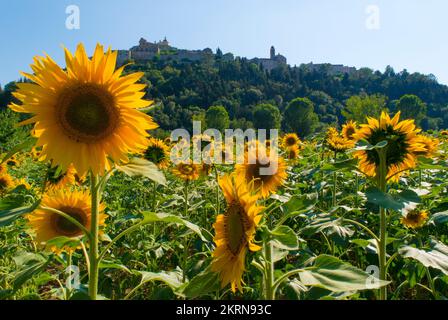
x,y
331,224
28,143
365,145
426,163
10,215
439,217
113,265
299,204
171,278
283,237
145,168
436,258
396,202
330,273
349,164
170,218
28,265
61,242
201,284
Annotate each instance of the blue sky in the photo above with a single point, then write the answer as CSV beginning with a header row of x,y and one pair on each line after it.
x,y
411,34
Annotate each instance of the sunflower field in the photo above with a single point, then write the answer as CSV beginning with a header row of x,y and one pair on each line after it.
x,y
93,207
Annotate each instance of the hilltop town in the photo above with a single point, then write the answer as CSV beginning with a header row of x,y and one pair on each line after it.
x,y
163,50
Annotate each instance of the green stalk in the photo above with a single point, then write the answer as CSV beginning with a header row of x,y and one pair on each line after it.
x,y
382,184
217,189
94,231
185,240
269,275
335,179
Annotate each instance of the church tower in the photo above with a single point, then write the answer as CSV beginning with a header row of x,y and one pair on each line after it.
x,y
272,52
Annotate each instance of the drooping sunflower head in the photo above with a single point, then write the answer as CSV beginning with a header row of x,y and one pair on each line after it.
x,y
292,154
349,129
13,162
187,171
289,140
338,143
7,183
444,133
48,225
87,114
60,179
263,171
235,232
402,145
331,131
431,146
158,153
415,218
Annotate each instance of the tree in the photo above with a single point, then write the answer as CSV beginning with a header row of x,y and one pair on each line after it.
x,y
266,116
411,107
300,117
362,106
217,117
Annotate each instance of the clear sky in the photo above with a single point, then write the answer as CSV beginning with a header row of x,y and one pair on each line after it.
x,y
412,34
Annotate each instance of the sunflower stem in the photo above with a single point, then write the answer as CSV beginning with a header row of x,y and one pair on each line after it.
x,y
94,231
382,184
269,275
335,179
218,209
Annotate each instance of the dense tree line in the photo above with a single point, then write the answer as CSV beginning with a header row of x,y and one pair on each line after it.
x,y
237,93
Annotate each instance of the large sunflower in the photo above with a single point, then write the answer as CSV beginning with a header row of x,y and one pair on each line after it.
x,y
87,114
235,232
158,153
403,144
262,174
48,225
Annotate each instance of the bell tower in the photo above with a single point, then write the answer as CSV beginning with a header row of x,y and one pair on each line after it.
x,y
272,52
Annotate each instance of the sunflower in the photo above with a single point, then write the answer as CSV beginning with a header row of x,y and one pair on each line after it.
x,y
59,179
3,168
187,171
444,133
292,153
331,131
431,145
261,173
289,140
415,218
338,143
87,114
13,162
7,183
158,153
403,143
349,129
235,232
48,225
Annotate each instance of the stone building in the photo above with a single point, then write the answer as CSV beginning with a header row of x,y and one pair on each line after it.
x,y
332,69
272,62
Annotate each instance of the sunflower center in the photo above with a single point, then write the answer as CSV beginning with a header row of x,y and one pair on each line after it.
x,y
350,132
66,227
235,228
254,172
87,113
290,141
397,146
155,154
186,169
3,183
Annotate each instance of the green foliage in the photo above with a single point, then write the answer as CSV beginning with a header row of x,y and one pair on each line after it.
x,y
300,117
217,117
266,116
411,107
362,106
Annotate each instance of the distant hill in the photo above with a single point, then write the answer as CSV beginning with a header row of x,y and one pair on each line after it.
x,y
186,83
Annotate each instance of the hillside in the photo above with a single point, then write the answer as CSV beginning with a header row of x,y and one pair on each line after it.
x,y
186,89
